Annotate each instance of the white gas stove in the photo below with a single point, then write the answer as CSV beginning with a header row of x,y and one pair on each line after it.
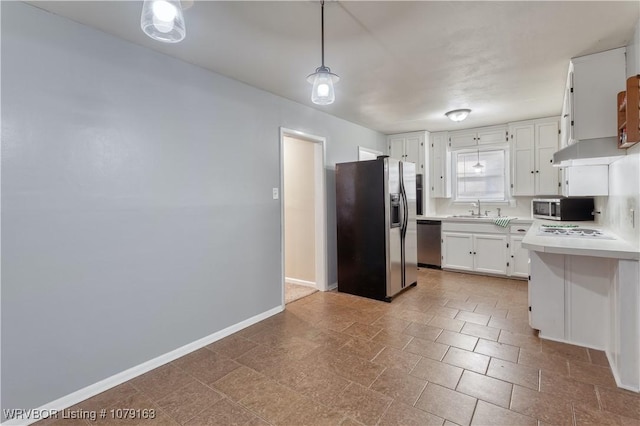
x,y
572,231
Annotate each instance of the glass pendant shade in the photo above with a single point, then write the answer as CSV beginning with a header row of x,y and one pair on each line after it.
x,y
162,20
478,167
322,80
458,114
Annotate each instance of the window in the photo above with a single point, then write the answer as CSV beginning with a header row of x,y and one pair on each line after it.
x,y
486,183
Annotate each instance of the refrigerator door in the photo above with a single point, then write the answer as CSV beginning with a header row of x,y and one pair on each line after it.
x,y
393,192
411,232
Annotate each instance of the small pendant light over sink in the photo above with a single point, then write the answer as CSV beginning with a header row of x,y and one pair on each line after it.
x,y
323,79
162,20
478,167
458,114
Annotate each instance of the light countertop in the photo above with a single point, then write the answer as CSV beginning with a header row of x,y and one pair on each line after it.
x,y
489,219
616,248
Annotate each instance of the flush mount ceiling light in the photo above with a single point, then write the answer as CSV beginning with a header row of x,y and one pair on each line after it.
x,y
458,114
478,167
162,20
323,79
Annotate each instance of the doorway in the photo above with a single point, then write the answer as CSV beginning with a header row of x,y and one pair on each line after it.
x,y
303,217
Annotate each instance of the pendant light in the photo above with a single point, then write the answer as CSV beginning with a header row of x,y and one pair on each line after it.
x,y
478,167
323,79
458,114
162,20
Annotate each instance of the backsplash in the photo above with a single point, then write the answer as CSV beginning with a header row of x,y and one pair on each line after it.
x,y
620,209
521,208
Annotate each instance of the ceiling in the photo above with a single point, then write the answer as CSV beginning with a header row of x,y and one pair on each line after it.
x,y
402,64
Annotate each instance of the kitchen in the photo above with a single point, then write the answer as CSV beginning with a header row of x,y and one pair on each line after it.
x,y
120,214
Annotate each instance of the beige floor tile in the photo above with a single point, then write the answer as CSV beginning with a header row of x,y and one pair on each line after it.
x,y
462,341
524,341
263,357
568,388
348,366
309,413
399,386
513,325
571,352
447,323
598,357
391,324
461,305
221,413
514,373
365,349
544,361
362,331
485,388
446,403
108,399
590,373
621,402
467,360
362,404
392,339
422,331
480,331
317,383
401,360
406,415
163,380
206,366
427,348
489,414
188,401
491,311
545,407
232,346
473,317
497,350
443,312
584,416
438,372
239,383
271,401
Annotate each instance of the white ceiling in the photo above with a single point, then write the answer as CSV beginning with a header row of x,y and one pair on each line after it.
x,y
402,64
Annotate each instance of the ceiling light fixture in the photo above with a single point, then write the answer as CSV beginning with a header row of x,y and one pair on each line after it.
x,y
478,167
323,79
458,114
162,20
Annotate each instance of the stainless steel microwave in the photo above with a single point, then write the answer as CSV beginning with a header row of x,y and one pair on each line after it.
x,y
579,208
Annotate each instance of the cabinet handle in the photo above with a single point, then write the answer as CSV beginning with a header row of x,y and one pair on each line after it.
x,y
522,230
531,171
474,252
537,171
565,116
470,253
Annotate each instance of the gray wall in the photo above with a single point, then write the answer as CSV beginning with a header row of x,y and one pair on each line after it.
x,y
136,202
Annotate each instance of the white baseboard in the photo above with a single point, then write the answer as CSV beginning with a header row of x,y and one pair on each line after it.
x,y
332,286
300,282
92,390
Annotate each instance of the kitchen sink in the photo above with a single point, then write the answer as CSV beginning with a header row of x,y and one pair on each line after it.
x,y
468,216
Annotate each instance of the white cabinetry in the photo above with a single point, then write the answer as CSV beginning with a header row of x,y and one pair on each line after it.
x,y
408,147
532,146
439,160
518,256
595,82
590,180
479,136
457,251
484,253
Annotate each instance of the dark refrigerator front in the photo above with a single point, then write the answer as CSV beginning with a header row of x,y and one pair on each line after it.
x,y
373,218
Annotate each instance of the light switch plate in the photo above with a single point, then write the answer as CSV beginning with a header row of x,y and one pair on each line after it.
x,y
276,193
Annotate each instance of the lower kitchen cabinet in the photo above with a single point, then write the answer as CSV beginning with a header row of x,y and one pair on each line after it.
x,y
485,253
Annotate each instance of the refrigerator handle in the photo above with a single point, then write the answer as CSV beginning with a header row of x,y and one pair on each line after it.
x,y
403,228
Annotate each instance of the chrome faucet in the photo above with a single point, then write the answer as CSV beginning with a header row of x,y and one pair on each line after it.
x,y
477,204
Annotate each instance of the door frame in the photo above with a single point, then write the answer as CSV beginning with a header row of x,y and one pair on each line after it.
x,y
320,206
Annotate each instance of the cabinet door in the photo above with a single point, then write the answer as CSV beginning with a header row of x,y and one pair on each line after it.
x,y
587,181
518,258
440,187
413,152
546,294
496,135
523,158
566,128
396,148
490,253
457,251
462,139
546,176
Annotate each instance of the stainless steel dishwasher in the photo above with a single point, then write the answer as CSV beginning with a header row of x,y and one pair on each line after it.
x,y
429,253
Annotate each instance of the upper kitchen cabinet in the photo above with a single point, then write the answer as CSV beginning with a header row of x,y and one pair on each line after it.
x,y
480,136
408,147
629,113
533,143
595,80
439,161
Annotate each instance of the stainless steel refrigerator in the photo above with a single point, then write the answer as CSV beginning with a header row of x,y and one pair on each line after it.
x,y
377,230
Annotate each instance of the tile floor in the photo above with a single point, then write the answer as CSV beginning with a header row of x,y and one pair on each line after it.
x,y
293,292
456,349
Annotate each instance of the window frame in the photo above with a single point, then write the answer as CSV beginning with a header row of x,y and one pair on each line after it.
x,y
504,147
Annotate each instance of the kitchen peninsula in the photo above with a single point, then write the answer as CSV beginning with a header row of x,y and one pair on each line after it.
x,y
586,291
